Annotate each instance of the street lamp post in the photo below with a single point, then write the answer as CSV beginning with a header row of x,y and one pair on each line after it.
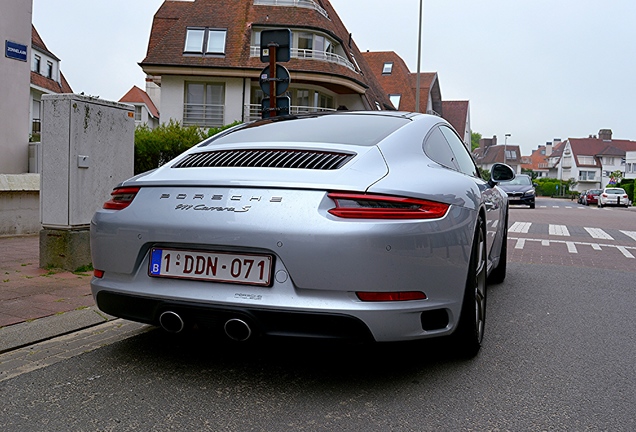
x,y
419,59
505,146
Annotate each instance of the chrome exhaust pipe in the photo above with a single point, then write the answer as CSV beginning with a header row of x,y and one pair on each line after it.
x,y
237,329
171,322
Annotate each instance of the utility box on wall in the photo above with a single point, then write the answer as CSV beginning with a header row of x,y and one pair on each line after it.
x,y
87,149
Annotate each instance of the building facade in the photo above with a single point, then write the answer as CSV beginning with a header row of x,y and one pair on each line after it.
x,y
15,34
203,60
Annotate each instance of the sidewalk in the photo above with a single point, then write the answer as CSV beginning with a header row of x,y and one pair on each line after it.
x,y
37,304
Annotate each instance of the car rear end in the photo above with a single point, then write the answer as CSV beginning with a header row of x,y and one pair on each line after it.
x,y
279,251
614,196
591,196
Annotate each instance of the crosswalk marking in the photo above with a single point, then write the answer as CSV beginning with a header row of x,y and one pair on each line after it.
x,y
560,230
624,251
596,246
598,233
545,242
520,227
520,243
631,234
571,247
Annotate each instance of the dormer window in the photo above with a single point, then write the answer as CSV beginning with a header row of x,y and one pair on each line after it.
x,y
387,68
395,100
216,42
213,40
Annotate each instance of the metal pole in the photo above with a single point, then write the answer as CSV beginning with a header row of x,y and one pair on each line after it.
x,y
419,59
272,79
505,146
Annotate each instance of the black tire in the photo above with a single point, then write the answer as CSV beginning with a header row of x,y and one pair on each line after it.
x,y
470,330
532,205
498,274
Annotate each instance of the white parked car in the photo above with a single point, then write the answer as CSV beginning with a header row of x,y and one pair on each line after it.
x,y
613,196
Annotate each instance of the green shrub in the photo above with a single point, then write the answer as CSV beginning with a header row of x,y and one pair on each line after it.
x,y
628,185
155,147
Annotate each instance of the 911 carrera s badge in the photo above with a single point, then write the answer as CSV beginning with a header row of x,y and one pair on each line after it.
x,y
216,197
202,207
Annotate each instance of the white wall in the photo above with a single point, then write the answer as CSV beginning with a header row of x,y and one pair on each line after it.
x,y
15,26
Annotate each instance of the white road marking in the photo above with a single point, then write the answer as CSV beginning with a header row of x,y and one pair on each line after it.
x,y
560,230
495,223
631,234
520,227
598,233
572,246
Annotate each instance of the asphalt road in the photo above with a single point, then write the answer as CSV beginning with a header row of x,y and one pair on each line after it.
x,y
558,355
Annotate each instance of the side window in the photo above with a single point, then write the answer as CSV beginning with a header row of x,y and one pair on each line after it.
x,y
462,157
436,147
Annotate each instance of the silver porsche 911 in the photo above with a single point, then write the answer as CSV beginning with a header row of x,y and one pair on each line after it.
x,y
358,225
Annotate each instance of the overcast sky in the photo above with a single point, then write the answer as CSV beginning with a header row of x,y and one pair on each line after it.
x,y
536,69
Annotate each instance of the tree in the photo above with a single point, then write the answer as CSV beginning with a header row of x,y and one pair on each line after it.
x,y
474,140
616,177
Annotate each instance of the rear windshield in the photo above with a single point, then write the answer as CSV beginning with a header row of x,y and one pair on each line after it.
x,y
356,129
594,191
615,191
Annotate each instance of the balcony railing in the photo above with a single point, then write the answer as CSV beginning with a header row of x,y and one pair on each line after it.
x,y
309,4
203,115
255,51
253,111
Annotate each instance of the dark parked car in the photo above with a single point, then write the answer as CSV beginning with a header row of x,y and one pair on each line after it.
x,y
520,190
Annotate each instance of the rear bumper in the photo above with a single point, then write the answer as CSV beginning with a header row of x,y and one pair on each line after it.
x,y
521,200
264,322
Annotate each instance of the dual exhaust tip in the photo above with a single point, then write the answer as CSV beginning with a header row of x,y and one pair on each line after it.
x,y
235,328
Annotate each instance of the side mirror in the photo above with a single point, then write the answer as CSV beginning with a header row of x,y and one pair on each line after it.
x,y
500,172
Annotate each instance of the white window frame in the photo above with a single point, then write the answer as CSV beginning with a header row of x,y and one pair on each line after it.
x,y
219,36
201,40
387,68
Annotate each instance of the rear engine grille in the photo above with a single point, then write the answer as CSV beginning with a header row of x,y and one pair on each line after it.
x,y
301,159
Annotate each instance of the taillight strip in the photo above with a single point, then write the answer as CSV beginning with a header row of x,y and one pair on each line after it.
x,y
368,206
390,296
121,198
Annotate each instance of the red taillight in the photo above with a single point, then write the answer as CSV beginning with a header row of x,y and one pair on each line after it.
x,y
390,296
361,206
604,195
98,273
121,198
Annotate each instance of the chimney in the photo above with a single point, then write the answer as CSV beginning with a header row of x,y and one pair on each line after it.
x,y
605,134
548,148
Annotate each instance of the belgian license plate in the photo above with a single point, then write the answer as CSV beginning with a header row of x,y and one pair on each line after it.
x,y
211,266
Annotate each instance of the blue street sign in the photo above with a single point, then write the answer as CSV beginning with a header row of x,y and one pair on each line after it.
x,y
15,50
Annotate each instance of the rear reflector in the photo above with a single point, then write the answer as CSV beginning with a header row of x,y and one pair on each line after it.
x,y
98,273
390,296
362,206
121,198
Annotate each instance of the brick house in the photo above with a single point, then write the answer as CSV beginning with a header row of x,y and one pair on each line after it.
x,y
591,161
400,84
203,64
